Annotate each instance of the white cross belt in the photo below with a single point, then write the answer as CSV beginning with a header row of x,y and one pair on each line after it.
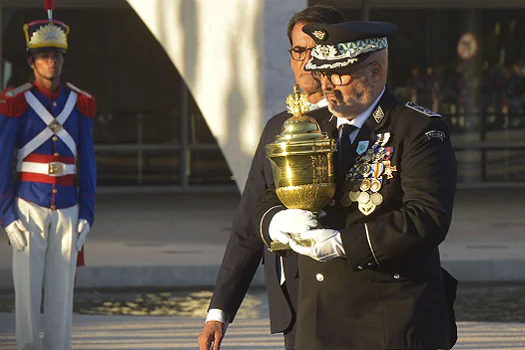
x,y
54,125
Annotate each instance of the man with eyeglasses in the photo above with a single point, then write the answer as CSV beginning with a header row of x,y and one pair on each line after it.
x,y
245,248
372,277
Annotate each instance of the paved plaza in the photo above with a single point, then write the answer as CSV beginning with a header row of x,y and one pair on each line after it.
x,y
177,241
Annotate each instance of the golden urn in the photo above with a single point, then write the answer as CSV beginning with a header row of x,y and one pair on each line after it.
x,y
302,160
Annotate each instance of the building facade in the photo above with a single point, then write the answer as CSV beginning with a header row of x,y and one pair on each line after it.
x,y
185,87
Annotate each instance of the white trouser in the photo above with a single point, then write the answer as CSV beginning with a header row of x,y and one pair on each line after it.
x,y
49,259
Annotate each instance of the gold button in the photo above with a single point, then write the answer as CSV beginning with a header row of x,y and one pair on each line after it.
x,y
55,190
56,154
55,138
54,104
52,207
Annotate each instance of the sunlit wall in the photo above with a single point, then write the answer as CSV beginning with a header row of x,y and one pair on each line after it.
x,y
232,56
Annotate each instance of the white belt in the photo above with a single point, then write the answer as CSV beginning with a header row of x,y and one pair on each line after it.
x,y
51,169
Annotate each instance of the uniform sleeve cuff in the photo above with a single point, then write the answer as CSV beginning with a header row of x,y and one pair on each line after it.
x,y
216,315
85,214
265,223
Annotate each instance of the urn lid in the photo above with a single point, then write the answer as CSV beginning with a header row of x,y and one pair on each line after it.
x,y
300,133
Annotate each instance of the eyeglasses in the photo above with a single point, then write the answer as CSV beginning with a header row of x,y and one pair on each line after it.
x,y
298,53
339,78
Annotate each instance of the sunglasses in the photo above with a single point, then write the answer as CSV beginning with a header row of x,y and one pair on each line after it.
x,y
341,78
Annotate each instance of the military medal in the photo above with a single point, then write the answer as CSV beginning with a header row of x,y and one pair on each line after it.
x,y
363,198
377,170
353,195
366,208
376,198
364,169
365,178
389,170
365,185
375,185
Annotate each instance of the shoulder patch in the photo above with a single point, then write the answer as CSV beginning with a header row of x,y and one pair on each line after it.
x,y
423,110
13,102
18,90
86,103
79,91
436,134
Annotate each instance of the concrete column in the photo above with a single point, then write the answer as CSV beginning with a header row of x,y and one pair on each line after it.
x,y
218,48
232,56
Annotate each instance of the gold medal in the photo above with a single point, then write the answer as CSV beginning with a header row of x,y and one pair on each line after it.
x,y
389,169
376,198
365,185
363,198
366,208
353,195
375,185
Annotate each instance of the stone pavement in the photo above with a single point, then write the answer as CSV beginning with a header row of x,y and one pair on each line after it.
x,y
178,239
163,333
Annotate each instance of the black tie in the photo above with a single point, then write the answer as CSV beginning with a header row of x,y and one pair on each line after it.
x,y
344,154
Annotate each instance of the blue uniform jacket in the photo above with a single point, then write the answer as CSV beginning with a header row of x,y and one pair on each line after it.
x,y
19,124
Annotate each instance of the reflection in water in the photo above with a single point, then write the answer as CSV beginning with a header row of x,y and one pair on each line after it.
x,y
189,304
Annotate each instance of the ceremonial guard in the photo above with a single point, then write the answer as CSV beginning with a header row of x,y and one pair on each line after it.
x,y
371,277
48,125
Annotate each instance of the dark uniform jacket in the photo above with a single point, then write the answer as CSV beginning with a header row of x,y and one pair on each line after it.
x,y
390,291
245,249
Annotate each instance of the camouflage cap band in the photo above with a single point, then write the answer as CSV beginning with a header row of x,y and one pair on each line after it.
x,y
348,50
311,65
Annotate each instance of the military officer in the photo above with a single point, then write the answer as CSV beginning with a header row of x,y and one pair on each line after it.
x,y
245,250
49,127
372,277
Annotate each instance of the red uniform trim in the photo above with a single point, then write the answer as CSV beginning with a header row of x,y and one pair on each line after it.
x,y
66,180
86,102
49,4
45,21
52,95
87,106
80,258
12,106
48,158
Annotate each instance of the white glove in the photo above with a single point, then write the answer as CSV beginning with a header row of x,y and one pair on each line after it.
x,y
290,221
16,232
328,245
82,229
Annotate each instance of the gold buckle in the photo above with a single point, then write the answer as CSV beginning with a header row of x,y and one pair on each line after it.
x,y
56,168
55,126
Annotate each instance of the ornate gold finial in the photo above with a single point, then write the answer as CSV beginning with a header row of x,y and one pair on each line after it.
x,y
298,103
